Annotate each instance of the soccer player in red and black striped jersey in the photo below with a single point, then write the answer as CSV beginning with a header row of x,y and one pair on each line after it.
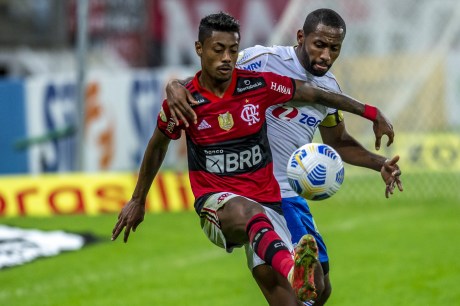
x,y
291,125
230,162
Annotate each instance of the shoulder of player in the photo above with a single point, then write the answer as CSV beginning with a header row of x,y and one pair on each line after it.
x,y
253,53
328,81
246,74
330,75
248,81
197,95
190,86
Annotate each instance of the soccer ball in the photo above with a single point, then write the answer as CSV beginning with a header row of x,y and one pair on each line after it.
x,y
315,171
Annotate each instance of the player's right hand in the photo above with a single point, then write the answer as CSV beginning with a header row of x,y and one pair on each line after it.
x,y
129,218
179,101
382,126
391,175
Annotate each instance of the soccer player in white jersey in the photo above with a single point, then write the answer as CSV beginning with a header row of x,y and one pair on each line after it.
x,y
318,46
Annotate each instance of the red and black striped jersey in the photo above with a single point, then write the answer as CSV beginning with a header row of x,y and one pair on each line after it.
x,y
228,148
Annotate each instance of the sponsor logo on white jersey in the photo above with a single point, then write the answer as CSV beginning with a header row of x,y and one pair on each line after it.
x,y
285,112
253,66
291,113
204,125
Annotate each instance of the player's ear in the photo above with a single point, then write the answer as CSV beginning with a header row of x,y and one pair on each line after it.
x,y
198,48
300,37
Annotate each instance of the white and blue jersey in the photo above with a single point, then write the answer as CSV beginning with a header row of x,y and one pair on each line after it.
x,y
290,126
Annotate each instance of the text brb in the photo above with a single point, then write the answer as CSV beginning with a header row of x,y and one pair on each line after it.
x,y
232,162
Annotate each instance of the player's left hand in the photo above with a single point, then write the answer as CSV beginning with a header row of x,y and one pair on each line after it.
x,y
382,126
129,218
390,174
180,102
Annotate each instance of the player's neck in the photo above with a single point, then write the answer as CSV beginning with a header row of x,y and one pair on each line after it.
x,y
216,87
299,55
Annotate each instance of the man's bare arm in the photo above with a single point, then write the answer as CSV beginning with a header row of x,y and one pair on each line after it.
x,y
133,212
311,94
180,101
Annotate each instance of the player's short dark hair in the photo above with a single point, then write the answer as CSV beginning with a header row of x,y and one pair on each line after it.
x,y
324,16
222,22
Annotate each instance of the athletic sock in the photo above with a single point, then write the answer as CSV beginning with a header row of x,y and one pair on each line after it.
x,y
268,245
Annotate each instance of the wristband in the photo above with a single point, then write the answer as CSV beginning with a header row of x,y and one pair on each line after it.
x,y
370,112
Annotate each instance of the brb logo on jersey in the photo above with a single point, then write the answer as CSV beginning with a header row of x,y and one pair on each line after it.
x,y
233,162
250,113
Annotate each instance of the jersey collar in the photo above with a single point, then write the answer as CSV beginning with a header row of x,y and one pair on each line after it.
x,y
297,62
211,96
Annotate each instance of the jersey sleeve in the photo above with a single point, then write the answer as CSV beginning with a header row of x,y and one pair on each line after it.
x,y
166,124
280,88
253,59
334,116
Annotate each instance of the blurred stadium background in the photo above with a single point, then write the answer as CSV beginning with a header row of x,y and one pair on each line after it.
x,y
81,83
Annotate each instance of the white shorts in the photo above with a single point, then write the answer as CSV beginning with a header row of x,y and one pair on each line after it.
x,y
211,226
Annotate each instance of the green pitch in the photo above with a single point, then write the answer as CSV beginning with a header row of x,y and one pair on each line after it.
x,y
401,251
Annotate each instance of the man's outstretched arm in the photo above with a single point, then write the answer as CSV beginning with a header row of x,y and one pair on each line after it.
x,y
133,212
180,103
352,152
311,94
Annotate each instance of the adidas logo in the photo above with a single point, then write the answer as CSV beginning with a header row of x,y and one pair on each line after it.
x,y
204,125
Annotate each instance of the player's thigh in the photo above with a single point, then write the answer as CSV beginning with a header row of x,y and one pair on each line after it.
x,y
235,215
224,216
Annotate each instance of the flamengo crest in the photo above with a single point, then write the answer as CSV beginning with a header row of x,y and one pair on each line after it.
x,y
250,114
